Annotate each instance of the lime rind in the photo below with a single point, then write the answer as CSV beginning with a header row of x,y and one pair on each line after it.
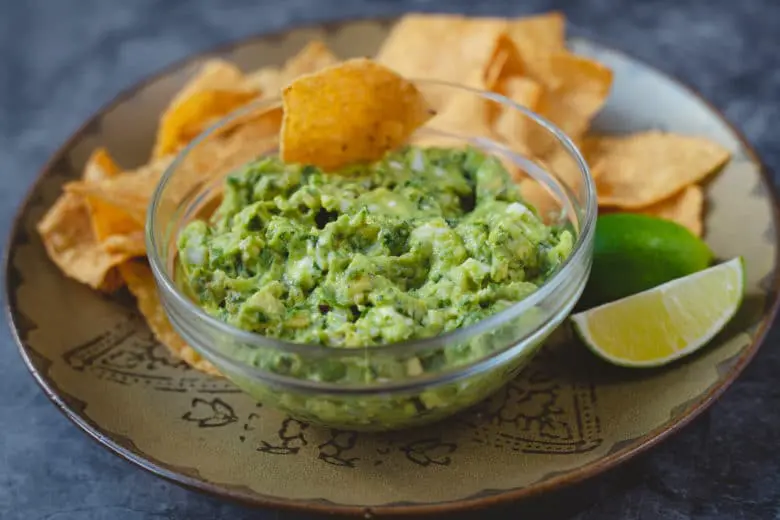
x,y
581,327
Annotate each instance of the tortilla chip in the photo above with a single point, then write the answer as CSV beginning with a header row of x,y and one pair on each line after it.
x,y
139,279
480,39
566,89
218,89
402,48
267,80
495,66
214,74
575,89
464,114
507,75
131,245
261,125
69,231
351,112
99,221
505,61
192,116
67,234
456,47
686,208
544,32
129,193
515,44
537,195
116,231
246,139
584,83
504,64
313,57
638,170
467,115
562,164
523,91
513,126
441,47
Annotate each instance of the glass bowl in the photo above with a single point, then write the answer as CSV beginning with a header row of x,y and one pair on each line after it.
x,y
402,384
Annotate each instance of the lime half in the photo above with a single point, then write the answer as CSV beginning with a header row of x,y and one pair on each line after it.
x,y
667,322
633,253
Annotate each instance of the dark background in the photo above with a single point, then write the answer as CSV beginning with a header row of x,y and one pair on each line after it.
x,y
60,60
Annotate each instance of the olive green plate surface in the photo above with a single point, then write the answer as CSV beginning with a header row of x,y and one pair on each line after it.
x,y
565,418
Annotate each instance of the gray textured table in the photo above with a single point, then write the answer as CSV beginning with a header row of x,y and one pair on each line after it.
x,y
62,59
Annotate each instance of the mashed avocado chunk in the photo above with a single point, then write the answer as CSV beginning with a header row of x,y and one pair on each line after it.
x,y
420,243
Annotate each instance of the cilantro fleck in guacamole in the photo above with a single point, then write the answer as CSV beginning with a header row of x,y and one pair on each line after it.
x,y
420,243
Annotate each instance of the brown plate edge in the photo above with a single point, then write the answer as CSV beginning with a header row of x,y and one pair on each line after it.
x,y
478,501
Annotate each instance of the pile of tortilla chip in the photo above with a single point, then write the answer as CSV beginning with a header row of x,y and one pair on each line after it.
x,y
527,61
95,231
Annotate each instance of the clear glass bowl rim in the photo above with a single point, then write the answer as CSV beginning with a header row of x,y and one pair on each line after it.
x,y
166,283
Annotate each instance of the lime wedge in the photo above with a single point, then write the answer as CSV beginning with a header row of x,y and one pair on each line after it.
x,y
667,322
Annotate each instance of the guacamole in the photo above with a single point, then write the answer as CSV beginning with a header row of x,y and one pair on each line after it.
x,y
420,243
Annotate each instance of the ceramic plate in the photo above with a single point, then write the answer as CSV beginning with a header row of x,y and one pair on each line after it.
x,y
566,418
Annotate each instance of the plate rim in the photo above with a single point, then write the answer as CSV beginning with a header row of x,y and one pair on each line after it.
x,y
559,481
